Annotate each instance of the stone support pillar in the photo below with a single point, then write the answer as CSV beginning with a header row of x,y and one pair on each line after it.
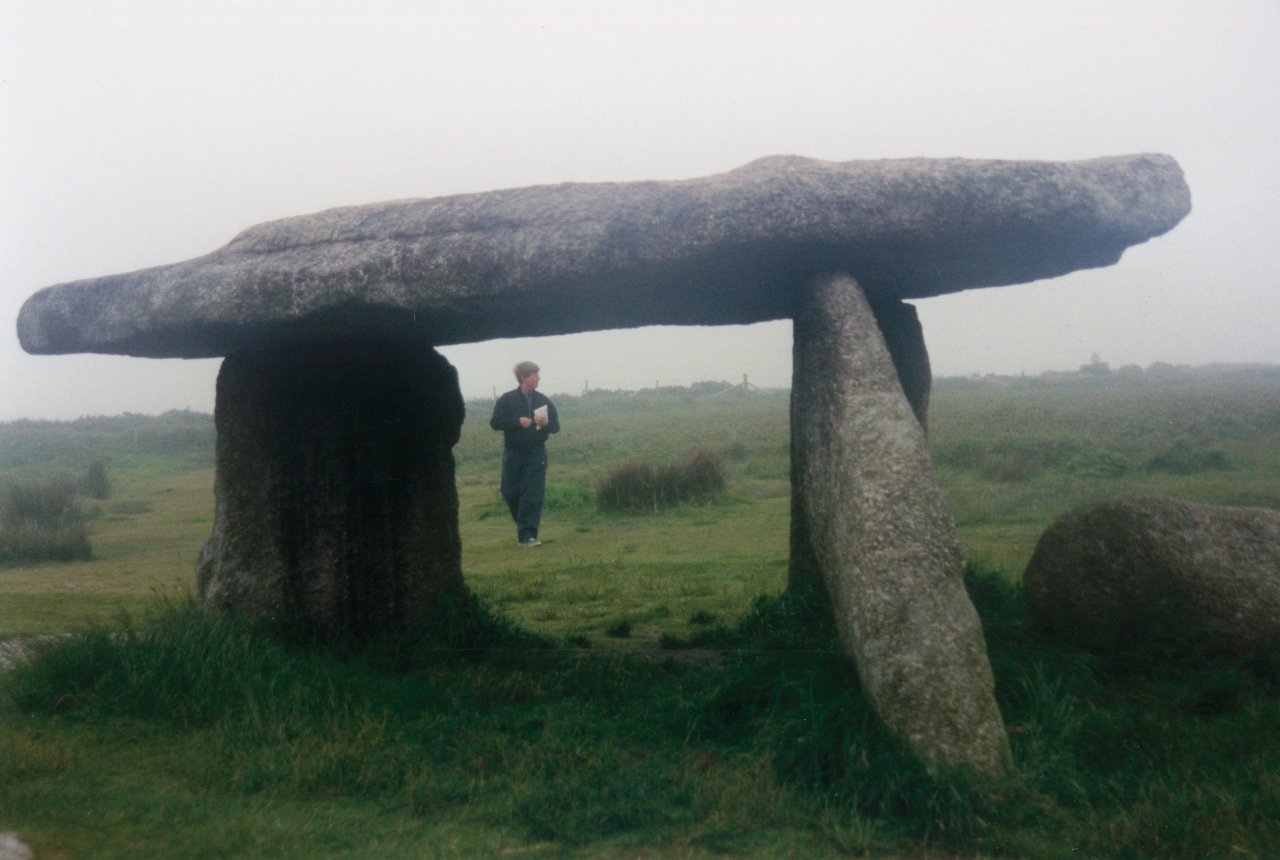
x,y
880,532
336,507
899,324
904,337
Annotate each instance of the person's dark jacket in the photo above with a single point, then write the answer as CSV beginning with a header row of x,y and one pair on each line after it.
x,y
513,406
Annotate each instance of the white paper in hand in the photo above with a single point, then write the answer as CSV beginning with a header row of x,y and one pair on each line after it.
x,y
540,412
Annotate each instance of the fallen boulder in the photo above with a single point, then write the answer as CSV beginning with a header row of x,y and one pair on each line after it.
x,y
1143,569
13,848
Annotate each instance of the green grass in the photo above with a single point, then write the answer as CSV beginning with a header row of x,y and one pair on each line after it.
x,y
1015,454
637,686
174,728
144,541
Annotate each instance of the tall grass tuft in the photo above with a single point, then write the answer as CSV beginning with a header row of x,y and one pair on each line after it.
x,y
629,486
42,522
190,667
636,486
179,666
697,479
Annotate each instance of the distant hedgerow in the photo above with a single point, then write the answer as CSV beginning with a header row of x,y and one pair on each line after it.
x,y
1182,459
638,486
1008,460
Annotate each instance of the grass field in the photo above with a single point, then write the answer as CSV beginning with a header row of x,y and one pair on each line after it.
x,y
636,686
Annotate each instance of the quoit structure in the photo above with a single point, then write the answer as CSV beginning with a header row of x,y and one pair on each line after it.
x,y
336,505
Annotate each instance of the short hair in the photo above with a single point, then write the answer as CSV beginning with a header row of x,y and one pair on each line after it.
x,y
525,369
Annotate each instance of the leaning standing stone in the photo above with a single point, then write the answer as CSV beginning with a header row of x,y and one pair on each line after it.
x,y
884,539
1138,569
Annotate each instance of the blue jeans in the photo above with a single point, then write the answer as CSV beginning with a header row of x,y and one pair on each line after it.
x,y
524,483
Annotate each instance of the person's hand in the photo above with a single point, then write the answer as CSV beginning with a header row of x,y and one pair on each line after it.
x,y
526,422
539,420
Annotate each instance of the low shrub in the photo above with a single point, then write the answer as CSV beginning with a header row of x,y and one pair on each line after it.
x,y
48,504
1100,464
629,486
42,522
698,478
1182,459
637,486
95,483
1007,460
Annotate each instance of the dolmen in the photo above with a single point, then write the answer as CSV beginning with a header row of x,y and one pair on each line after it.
x,y
335,498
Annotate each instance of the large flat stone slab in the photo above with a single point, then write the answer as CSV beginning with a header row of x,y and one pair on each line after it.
x,y
725,249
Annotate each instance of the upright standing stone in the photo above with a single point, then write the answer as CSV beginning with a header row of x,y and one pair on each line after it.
x,y
899,324
336,503
883,537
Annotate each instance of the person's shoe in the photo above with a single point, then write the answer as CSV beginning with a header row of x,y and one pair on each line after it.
x,y
530,542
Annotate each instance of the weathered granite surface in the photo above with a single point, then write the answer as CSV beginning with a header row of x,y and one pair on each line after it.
x,y
900,327
13,848
1138,569
883,537
731,248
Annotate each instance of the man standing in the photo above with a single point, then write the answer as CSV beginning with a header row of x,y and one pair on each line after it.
x,y
526,417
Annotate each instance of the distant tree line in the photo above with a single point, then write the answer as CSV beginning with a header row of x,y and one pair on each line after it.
x,y
42,446
1098,372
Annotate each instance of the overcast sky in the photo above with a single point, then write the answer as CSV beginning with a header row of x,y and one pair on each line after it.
x,y
135,134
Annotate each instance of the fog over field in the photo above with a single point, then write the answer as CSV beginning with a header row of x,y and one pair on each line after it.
x,y
142,133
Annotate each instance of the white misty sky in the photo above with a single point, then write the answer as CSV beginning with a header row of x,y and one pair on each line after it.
x,y
140,133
